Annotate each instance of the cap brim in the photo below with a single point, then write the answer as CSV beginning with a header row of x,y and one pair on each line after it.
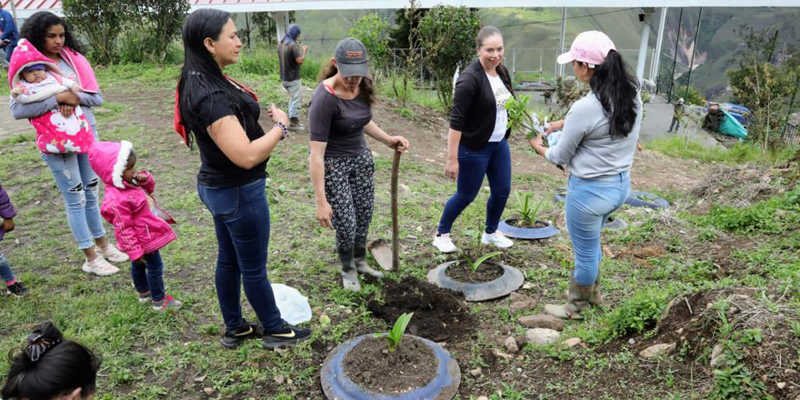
x,y
348,70
565,58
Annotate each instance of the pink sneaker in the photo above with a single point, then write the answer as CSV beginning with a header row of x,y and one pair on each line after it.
x,y
167,303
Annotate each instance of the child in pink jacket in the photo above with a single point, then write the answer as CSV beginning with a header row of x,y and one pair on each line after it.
x,y
139,232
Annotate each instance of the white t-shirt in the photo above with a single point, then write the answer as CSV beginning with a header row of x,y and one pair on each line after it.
x,y
501,96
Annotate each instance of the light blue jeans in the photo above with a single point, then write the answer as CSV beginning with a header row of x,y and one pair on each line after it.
x,y
79,185
295,89
589,203
5,270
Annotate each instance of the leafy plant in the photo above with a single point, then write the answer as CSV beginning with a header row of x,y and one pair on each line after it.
x,y
371,30
519,119
99,21
477,263
396,334
526,209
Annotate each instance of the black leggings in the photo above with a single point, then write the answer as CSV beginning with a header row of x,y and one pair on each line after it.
x,y
350,190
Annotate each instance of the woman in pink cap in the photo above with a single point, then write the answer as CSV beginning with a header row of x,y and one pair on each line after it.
x,y
598,142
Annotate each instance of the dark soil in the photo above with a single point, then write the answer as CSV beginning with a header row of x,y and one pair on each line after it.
x,y
439,315
524,224
372,367
462,272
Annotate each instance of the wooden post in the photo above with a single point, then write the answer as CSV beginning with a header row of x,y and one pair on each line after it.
x,y
395,226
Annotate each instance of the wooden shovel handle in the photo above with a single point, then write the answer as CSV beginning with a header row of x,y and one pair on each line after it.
x,y
395,227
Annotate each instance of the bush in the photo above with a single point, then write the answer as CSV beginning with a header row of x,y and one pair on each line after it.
x,y
690,96
774,215
371,30
131,43
100,22
637,313
447,35
161,22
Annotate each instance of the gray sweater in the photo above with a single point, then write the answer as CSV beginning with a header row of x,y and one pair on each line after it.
x,y
586,146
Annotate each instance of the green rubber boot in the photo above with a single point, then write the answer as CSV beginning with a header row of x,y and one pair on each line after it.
x,y
349,273
577,301
360,260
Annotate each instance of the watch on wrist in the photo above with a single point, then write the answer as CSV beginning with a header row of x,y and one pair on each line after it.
x,y
284,129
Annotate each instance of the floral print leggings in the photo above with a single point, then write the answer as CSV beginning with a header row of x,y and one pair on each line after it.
x,y
350,190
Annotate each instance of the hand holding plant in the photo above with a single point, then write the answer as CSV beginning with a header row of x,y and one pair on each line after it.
x,y
519,120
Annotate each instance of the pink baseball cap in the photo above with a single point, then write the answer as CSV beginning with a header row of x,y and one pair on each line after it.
x,y
590,47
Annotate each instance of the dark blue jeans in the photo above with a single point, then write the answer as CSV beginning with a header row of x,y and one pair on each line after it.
x,y
149,276
492,161
241,220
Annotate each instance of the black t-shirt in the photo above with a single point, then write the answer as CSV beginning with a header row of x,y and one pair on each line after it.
x,y
287,54
338,122
217,170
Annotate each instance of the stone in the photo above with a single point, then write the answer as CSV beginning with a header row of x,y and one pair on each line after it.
x,y
528,286
781,385
208,391
543,321
717,357
482,398
511,344
572,342
476,372
279,379
658,350
521,302
542,336
504,356
200,379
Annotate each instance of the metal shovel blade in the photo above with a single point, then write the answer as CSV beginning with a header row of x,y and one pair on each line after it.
x,y
382,253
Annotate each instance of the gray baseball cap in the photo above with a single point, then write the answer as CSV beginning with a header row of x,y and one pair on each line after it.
x,y
351,58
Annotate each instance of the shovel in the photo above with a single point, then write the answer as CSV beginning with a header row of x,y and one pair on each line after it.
x,y
389,259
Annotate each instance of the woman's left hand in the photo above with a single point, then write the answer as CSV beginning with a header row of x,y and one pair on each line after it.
x,y
398,143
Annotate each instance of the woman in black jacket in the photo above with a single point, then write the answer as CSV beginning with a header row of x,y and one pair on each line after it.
x,y
477,142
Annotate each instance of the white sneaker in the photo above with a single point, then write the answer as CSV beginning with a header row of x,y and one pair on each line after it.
x,y
99,267
497,239
111,253
444,244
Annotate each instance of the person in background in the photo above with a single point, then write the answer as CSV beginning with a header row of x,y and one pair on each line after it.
x,y
9,35
291,56
7,214
677,115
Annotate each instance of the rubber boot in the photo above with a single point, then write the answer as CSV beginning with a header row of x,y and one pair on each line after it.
x,y
349,273
577,301
596,297
360,259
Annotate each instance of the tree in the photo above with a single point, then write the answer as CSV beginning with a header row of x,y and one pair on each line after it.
x,y
161,21
371,30
99,21
447,35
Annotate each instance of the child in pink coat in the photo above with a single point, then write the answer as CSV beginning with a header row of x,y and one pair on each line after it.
x,y
139,232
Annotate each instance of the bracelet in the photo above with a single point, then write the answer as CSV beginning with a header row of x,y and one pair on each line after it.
x,y
284,129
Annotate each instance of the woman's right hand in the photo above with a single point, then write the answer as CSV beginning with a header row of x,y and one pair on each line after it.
x,y
68,98
555,126
324,214
451,168
278,115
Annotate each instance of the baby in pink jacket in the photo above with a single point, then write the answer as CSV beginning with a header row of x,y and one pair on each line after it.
x,y
139,231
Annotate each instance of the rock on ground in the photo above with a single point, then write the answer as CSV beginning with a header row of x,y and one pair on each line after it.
x,y
543,321
572,342
521,302
511,344
542,336
658,350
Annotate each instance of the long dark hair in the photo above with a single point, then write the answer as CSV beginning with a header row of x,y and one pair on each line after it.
x,y
616,89
366,89
201,75
50,366
35,28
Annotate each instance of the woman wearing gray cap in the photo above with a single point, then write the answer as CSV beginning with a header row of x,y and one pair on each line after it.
x,y
341,165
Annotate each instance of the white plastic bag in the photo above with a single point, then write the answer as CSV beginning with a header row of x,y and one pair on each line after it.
x,y
293,306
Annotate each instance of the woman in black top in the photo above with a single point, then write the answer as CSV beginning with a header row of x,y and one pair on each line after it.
x,y
340,162
476,143
221,117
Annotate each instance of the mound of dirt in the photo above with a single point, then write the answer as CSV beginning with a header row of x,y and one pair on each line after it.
x,y
737,186
439,315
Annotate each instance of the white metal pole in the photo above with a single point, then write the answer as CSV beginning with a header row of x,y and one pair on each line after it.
x,y
640,61
13,4
281,23
655,64
563,43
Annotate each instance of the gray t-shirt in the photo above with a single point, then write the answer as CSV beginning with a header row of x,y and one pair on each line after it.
x,y
586,146
287,54
338,122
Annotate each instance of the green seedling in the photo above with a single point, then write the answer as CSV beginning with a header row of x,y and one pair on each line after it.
x,y
396,334
519,119
477,263
526,209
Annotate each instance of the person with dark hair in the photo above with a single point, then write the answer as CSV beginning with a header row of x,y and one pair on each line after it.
x,y
291,56
51,36
477,143
9,35
51,368
340,162
221,115
597,144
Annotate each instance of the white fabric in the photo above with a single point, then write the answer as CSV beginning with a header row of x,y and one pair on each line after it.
x,y
293,306
501,96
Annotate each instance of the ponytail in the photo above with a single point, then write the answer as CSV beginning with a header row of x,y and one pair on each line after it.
x,y
366,89
616,89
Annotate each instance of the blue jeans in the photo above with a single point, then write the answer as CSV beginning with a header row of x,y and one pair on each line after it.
x,y
295,89
5,269
241,221
149,276
589,204
493,161
78,184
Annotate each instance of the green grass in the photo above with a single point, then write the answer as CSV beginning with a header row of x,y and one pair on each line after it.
x,y
741,153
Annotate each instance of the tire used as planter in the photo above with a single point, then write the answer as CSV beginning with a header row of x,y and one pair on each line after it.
x,y
510,281
337,385
615,223
560,196
639,198
508,228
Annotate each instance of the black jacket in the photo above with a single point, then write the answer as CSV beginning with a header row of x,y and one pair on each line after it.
x,y
474,107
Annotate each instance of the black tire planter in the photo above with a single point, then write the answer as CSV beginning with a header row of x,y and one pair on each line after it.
x,y
336,385
615,224
510,281
638,198
516,232
560,196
